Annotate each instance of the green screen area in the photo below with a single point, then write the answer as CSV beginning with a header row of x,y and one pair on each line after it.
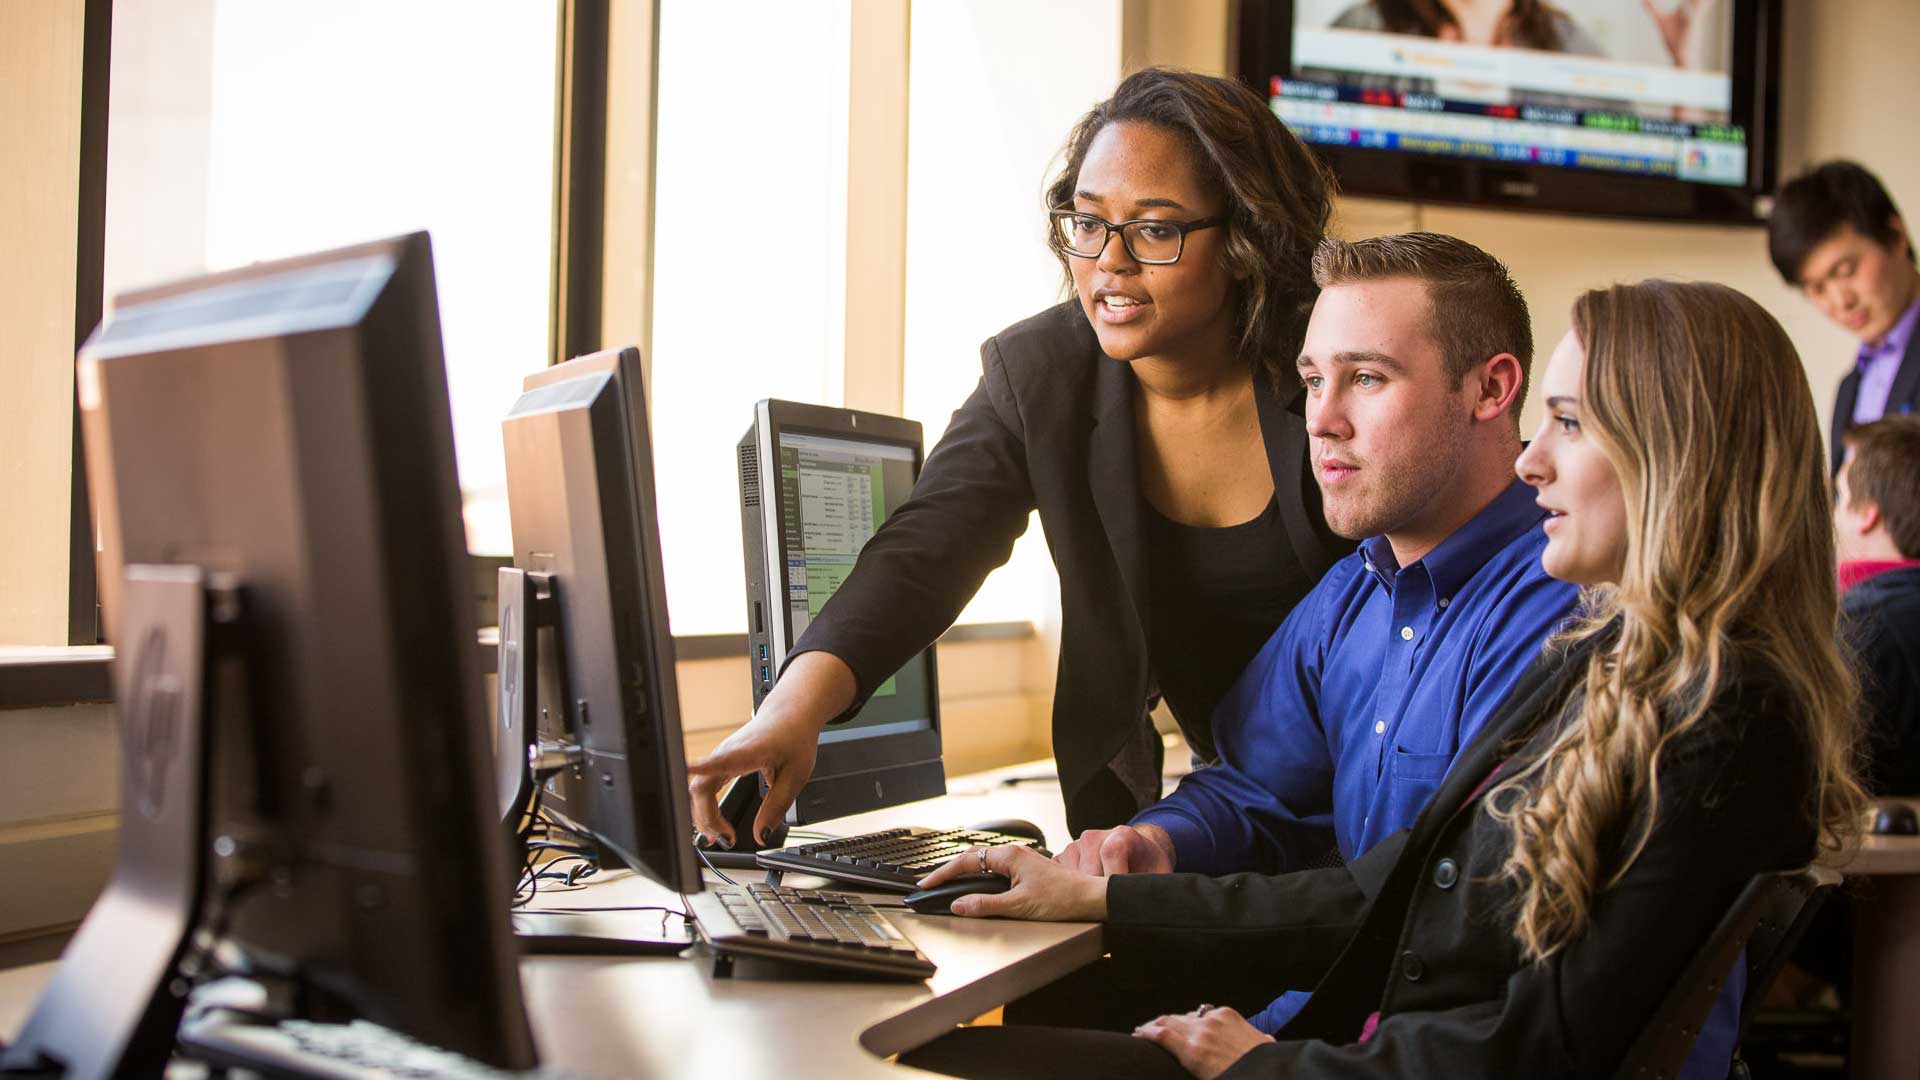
x,y
825,574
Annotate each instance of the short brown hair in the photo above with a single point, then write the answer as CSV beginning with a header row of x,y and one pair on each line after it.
x,y
1884,471
1475,310
1276,197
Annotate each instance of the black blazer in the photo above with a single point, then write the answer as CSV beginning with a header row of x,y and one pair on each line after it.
x,y
1880,623
1051,426
1903,397
1419,928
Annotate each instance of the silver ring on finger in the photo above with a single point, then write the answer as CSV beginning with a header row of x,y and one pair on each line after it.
x,y
982,853
1203,1010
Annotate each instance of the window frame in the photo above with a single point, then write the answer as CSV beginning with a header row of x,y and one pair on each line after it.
x,y
581,318
89,301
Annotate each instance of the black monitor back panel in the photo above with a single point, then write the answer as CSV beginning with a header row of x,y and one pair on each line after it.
x,y
286,426
580,485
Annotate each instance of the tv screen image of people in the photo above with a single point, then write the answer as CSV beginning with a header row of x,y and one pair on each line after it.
x,y
1635,87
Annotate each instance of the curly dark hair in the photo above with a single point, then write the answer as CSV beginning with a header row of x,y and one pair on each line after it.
x,y
1277,198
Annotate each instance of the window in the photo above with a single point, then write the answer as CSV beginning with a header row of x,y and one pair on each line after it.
x,y
749,263
996,85
243,131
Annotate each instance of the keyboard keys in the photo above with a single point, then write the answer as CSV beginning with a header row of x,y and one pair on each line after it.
x,y
810,926
891,858
355,1049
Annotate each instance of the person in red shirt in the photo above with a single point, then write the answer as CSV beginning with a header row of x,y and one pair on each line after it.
x,y
1877,523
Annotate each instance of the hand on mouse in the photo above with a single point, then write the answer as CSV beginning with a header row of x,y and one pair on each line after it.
x,y
1145,849
1042,889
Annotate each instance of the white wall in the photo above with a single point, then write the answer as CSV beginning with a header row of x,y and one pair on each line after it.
x,y
1849,81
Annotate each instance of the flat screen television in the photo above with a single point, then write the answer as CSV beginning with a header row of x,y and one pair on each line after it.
x,y
1663,109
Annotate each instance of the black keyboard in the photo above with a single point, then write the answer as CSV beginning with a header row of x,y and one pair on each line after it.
x,y
891,859
808,926
353,1051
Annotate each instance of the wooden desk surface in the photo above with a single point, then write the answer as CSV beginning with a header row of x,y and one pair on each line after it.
x,y
670,1017
1881,855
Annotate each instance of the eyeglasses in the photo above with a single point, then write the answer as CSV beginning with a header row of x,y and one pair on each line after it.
x,y
1151,241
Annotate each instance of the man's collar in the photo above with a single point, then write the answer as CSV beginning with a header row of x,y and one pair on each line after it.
x,y
1894,341
1855,571
1461,555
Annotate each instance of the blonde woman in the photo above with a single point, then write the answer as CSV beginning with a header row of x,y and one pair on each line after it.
x,y
1696,729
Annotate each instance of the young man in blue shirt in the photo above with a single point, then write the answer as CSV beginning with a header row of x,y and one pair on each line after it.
x,y
1334,737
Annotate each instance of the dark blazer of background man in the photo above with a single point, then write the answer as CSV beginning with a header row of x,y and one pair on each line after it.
x,y
1836,235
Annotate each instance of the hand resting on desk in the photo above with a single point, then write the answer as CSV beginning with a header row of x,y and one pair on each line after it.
x,y
1123,850
1042,889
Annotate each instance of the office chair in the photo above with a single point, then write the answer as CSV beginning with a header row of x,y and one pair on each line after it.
x,y
1766,920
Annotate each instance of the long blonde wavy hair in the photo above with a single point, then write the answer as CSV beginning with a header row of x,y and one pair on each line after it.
x,y
1696,397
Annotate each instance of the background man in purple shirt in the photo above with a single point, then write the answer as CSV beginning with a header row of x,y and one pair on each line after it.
x,y
1836,234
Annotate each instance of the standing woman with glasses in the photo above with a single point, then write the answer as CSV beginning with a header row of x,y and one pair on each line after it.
x,y
1155,423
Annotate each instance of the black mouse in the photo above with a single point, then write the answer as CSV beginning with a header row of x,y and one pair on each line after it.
x,y
939,899
1012,827
1897,819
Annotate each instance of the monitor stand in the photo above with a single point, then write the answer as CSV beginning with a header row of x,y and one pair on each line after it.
x,y
529,604
114,1004
603,933
525,606
739,806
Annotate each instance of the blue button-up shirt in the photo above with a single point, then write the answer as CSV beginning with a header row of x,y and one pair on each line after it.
x,y
1351,714
1878,364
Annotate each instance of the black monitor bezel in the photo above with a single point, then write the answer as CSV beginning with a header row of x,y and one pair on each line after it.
x,y
772,417
1263,34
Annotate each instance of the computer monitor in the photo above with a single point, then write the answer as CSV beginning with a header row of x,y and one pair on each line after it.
x,y
284,429
815,484
587,658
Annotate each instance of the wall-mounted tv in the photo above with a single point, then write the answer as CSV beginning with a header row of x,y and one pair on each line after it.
x,y
1631,108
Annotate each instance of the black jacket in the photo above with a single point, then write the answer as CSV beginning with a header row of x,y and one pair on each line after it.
x,y
1051,426
1880,619
1420,927
1903,397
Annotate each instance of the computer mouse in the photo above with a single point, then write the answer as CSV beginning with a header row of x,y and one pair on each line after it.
x,y
1012,827
939,899
1895,819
